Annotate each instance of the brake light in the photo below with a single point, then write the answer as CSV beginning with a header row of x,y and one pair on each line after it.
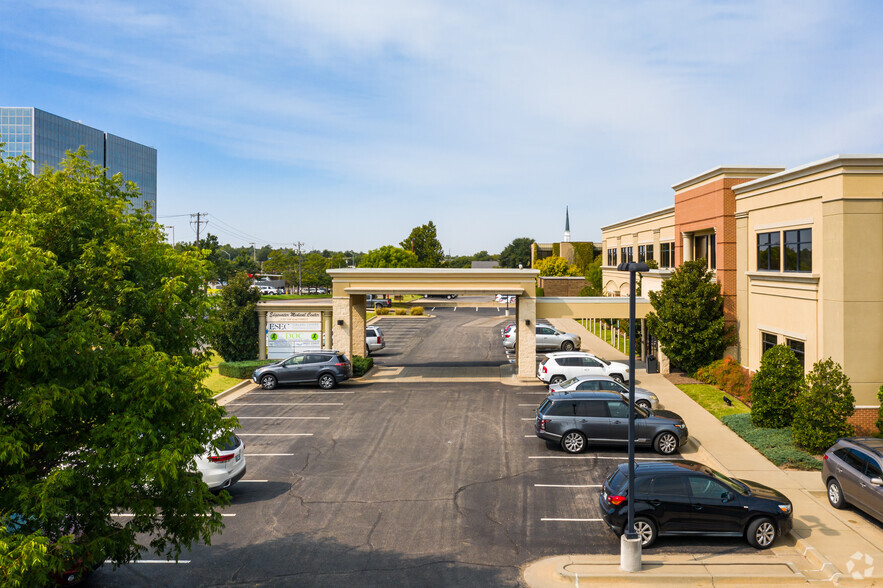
x,y
340,364
545,371
825,456
543,424
220,458
616,500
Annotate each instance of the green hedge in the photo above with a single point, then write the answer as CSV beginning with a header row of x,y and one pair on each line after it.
x,y
361,365
241,369
777,445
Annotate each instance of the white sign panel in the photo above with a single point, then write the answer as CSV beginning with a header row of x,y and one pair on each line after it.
x,y
291,332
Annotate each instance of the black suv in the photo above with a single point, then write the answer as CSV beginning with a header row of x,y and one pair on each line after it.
x,y
577,418
688,498
327,368
852,470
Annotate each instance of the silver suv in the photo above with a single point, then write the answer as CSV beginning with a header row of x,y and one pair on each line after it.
x,y
373,340
322,367
852,470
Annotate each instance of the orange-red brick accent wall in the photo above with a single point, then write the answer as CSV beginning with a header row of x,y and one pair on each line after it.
x,y
712,205
864,420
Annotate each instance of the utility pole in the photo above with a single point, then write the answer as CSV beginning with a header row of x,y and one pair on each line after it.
x,y
253,256
298,245
198,222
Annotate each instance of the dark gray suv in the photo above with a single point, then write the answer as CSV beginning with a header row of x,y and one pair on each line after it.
x,y
852,470
578,418
326,368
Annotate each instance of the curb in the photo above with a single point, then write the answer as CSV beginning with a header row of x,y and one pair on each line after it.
x,y
231,390
814,555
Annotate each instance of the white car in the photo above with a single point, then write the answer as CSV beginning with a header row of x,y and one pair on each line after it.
x,y
373,340
221,468
504,299
564,365
643,398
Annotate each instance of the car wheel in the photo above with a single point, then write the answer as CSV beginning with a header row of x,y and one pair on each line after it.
x,y
761,533
618,378
327,382
646,530
556,379
268,382
643,403
573,442
567,346
835,494
665,443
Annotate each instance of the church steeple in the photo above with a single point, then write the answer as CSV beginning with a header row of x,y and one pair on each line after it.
x,y
567,224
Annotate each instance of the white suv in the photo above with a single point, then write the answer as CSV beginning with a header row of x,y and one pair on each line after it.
x,y
564,365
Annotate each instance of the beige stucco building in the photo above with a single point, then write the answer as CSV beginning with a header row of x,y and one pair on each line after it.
x,y
798,253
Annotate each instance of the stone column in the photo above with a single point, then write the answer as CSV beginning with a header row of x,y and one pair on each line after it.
x,y
687,249
326,329
262,333
341,325
526,348
357,330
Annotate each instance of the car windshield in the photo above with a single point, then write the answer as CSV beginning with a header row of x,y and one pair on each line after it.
x,y
734,485
567,383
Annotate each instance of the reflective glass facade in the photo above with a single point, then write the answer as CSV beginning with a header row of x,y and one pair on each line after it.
x,y
45,137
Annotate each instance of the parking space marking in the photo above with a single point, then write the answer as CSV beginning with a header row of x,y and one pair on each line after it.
x,y
567,485
533,405
275,434
625,457
254,481
307,418
529,418
285,404
571,520
269,454
128,514
544,392
304,393
154,561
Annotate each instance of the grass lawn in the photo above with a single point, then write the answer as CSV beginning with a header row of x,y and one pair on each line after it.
x,y
712,400
294,296
218,383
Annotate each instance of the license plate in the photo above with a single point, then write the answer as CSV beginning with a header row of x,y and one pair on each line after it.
x,y
238,457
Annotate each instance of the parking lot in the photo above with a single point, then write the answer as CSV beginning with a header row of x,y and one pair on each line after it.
x,y
417,483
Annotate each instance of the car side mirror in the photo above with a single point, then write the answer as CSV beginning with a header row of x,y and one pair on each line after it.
x,y
877,481
727,496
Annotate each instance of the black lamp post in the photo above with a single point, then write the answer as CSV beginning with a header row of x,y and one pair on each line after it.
x,y
631,560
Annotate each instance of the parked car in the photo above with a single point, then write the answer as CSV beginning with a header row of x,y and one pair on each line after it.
x,y
548,337
377,302
561,366
504,299
448,296
852,471
507,329
326,368
221,467
577,419
75,569
688,498
373,339
643,398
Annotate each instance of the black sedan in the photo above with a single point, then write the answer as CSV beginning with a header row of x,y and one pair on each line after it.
x,y
688,498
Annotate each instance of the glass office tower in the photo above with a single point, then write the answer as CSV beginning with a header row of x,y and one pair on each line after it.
x,y
45,137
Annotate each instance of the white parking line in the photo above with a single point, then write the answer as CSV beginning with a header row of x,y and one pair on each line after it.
x,y
154,561
529,418
286,417
254,481
304,393
567,485
624,457
128,514
285,404
268,454
275,434
533,405
572,520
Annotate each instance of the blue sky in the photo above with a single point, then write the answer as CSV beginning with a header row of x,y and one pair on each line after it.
x,y
345,124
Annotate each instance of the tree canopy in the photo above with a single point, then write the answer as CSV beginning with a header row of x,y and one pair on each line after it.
x,y
235,335
388,256
556,266
103,407
688,317
517,252
423,242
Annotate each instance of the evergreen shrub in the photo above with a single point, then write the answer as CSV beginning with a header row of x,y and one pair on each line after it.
x,y
824,404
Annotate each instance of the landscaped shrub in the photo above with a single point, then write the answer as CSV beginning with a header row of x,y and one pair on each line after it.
x,y
383,310
241,369
417,310
777,445
774,388
361,365
401,311
879,422
824,403
727,375
541,291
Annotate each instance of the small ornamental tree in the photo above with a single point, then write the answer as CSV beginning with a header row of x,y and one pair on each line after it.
x,y
774,388
824,403
688,317
235,336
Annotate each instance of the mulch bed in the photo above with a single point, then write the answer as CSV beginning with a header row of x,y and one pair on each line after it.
x,y
678,378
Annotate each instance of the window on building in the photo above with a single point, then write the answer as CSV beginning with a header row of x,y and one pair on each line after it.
x,y
798,250
628,256
768,252
712,251
667,254
650,253
797,347
611,256
642,253
767,341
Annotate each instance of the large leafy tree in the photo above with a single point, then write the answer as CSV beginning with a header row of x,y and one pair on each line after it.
x,y
516,253
235,336
688,317
423,242
556,266
388,256
102,408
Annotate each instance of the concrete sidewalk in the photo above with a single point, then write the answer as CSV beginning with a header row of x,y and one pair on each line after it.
x,y
842,547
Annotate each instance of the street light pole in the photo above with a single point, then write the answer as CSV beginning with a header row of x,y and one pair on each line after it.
x,y
630,544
